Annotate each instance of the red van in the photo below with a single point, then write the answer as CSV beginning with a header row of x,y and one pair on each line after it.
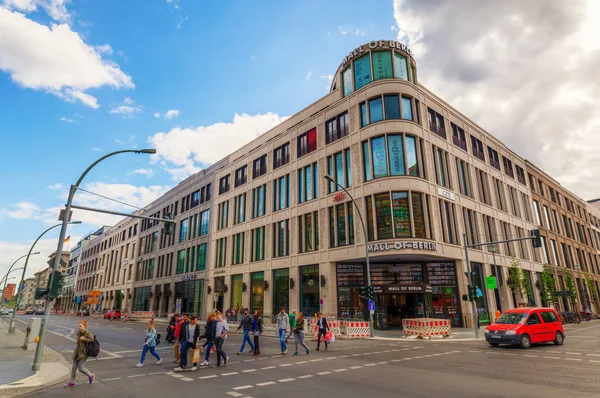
x,y
526,326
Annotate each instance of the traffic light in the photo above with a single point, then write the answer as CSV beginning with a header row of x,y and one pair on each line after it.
x,y
363,292
537,238
472,292
58,282
371,292
169,225
41,293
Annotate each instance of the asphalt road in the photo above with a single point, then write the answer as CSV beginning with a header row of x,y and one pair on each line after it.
x,y
359,368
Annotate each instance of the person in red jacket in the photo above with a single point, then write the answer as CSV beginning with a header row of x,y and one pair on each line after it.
x,y
177,347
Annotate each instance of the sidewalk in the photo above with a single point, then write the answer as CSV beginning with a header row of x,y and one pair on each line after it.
x,y
456,334
16,376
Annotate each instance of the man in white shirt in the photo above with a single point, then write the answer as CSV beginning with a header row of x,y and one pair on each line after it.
x,y
220,337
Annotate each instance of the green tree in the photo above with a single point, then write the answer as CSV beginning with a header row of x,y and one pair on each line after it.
x,y
570,285
548,284
591,285
517,280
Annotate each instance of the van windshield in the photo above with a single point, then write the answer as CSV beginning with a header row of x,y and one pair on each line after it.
x,y
512,318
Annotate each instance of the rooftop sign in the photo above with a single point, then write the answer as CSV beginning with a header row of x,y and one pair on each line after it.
x,y
378,44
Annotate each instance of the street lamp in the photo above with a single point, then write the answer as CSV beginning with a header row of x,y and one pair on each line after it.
x,y
13,321
39,350
328,178
10,269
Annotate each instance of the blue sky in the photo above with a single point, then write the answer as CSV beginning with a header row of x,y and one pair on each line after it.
x,y
203,61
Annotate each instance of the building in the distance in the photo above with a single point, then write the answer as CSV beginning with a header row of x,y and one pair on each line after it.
x,y
263,228
8,292
28,294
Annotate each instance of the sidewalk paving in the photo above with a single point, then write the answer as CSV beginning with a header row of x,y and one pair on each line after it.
x,y
16,376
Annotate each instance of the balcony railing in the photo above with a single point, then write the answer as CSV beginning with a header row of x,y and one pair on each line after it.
x,y
334,135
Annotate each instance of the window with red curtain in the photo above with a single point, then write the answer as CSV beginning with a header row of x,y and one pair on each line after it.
x,y
312,140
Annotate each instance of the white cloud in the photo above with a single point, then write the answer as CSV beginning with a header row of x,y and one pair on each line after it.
x,y
21,5
181,21
542,106
34,56
173,113
66,119
96,149
329,79
309,75
104,49
157,115
13,250
144,172
128,108
359,32
56,186
184,150
24,211
342,31
118,142
56,9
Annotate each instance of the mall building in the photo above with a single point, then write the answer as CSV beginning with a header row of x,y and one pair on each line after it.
x,y
263,228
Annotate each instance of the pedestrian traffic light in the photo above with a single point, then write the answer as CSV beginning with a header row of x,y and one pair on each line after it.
x,y
169,225
371,292
472,292
58,282
537,238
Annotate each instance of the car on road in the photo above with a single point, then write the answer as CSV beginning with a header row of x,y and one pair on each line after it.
x,y
38,312
112,314
29,311
525,327
6,311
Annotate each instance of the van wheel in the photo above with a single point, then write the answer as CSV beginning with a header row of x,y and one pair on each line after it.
x,y
559,339
525,341
494,344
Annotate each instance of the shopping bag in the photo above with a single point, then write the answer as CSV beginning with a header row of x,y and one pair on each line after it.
x,y
328,336
332,339
196,355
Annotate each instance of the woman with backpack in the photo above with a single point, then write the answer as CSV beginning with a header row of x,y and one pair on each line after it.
x,y
80,355
150,344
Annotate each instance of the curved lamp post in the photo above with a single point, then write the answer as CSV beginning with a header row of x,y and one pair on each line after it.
x,y
328,178
11,270
39,350
13,322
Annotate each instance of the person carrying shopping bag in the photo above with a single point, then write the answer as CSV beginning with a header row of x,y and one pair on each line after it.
x,y
80,355
323,327
299,333
189,336
282,324
150,345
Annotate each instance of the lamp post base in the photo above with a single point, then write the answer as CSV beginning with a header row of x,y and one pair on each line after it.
x,y
12,326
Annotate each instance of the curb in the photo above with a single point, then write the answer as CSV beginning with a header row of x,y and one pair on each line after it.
x,y
58,365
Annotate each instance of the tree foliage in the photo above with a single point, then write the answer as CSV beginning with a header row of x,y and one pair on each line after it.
x,y
517,279
548,284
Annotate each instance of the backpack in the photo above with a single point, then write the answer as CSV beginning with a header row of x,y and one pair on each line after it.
x,y
92,349
157,341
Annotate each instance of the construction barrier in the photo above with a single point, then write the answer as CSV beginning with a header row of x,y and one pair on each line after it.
x,y
124,318
426,327
143,315
20,312
354,329
312,330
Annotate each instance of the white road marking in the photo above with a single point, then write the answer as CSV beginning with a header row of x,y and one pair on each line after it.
x,y
286,364
555,358
513,355
249,360
248,370
268,367
286,380
530,356
594,355
132,376
324,373
573,359
114,378
301,362
340,370
305,377
356,367
316,360
229,374
573,353
208,377
266,383
157,373
371,364
591,360
382,362
234,394
186,379
242,387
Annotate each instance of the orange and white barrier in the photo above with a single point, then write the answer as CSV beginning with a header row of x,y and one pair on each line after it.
x,y
143,315
124,318
312,328
427,327
354,329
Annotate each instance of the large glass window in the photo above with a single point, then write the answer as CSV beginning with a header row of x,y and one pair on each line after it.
x,y
401,71
180,261
281,238
281,289
341,225
362,71
183,230
223,215
364,118
191,294
309,290
307,142
340,169
257,244
281,193
237,282
154,240
257,288
308,232
204,219
221,257
239,209
347,81
392,107
238,248
375,110
201,261
392,155
259,201
141,298
382,64
483,314
308,183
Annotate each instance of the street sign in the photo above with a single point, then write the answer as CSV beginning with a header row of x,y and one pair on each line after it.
x,y
492,248
371,305
479,292
491,282
320,301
